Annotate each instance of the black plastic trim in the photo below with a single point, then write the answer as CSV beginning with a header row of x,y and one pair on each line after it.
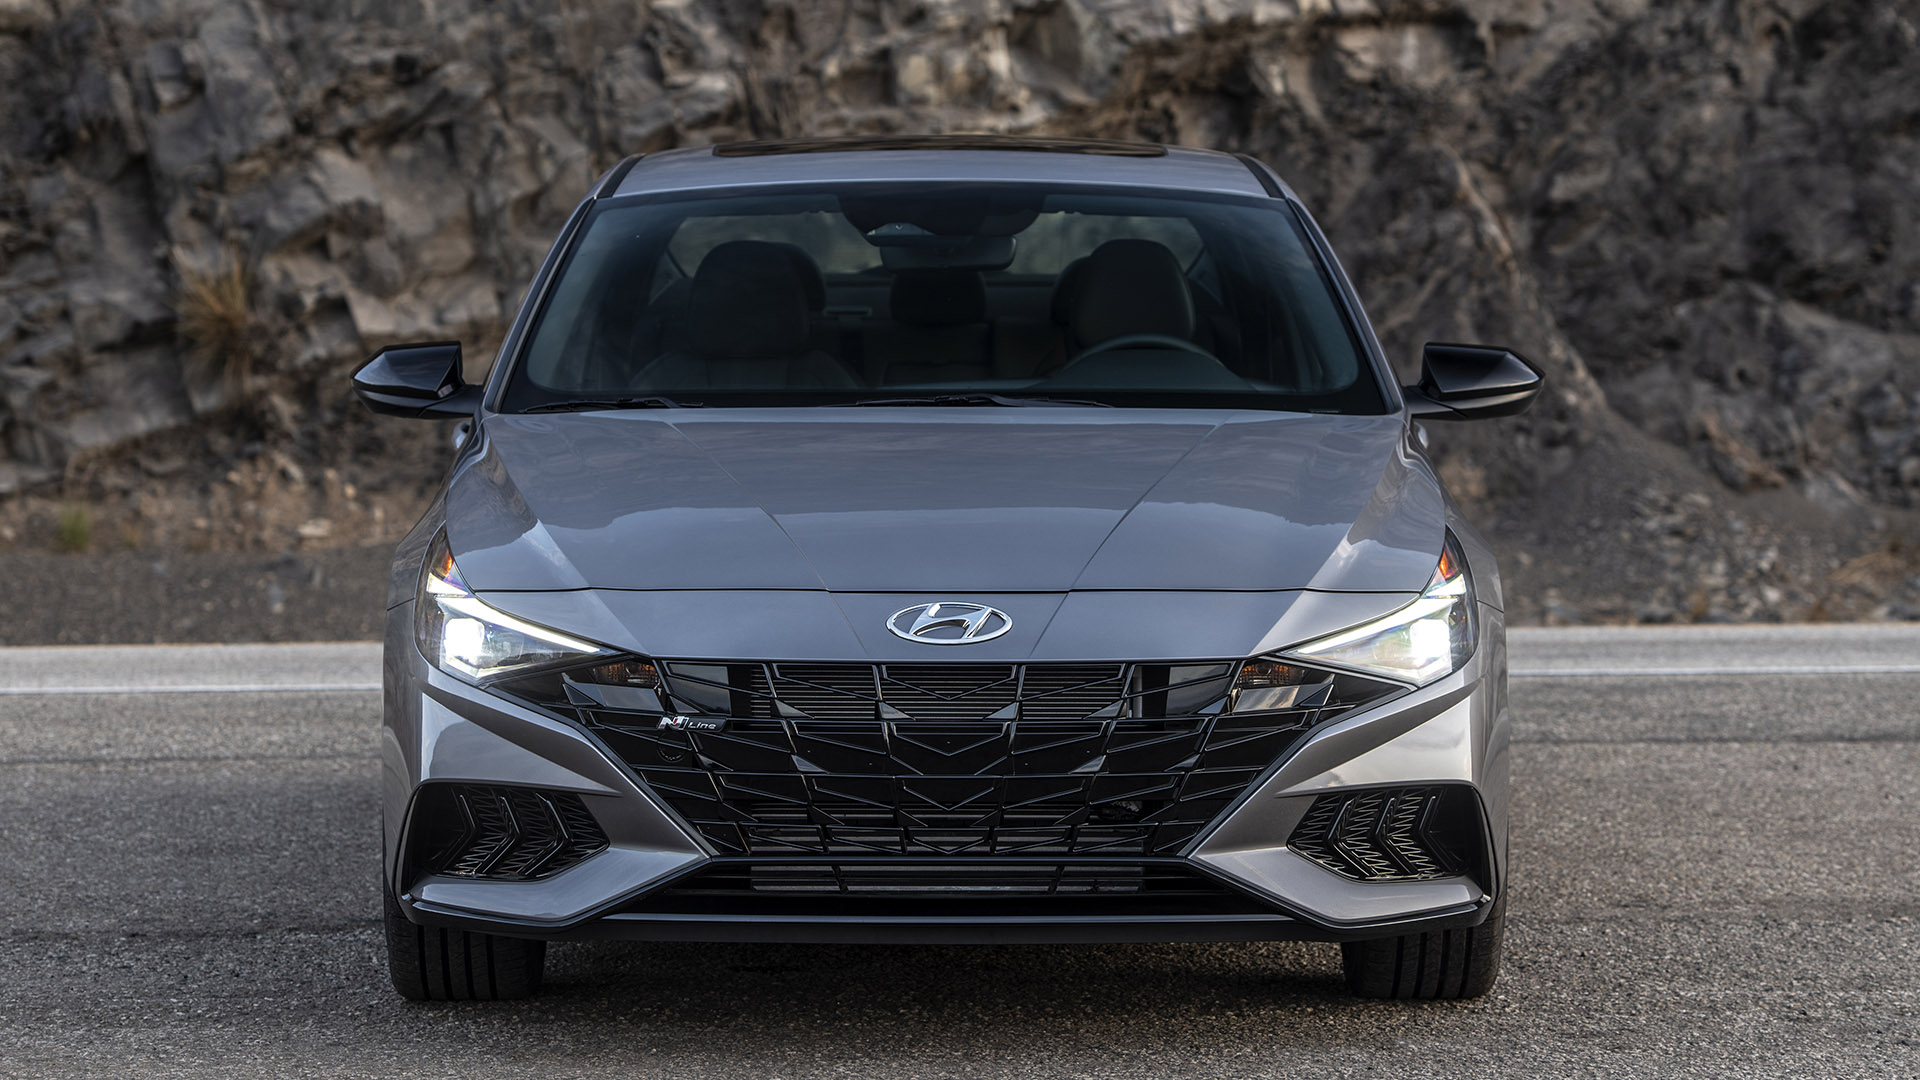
x,y
1355,312
1261,174
993,930
596,731
616,175
841,144
981,930
515,342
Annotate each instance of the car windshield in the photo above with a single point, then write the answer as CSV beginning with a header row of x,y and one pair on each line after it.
x,y
943,294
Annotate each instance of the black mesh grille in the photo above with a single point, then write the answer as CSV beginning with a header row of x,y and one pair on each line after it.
x,y
473,830
919,691
974,761
1068,693
973,888
896,877
1020,787
936,692
1392,834
829,691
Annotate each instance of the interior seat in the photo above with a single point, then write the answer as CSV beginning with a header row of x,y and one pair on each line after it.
x,y
661,327
1129,286
1025,348
1137,287
1048,348
812,282
938,333
747,326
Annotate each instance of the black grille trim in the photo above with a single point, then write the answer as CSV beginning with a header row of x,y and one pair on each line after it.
x,y
502,833
935,692
962,761
908,887
1132,787
1394,834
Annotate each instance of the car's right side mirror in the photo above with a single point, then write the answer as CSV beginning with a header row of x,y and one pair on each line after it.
x,y
1471,382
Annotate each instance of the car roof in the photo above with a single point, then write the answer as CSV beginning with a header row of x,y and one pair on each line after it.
x,y
966,158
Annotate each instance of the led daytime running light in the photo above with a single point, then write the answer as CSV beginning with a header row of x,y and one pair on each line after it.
x,y
1427,639
461,633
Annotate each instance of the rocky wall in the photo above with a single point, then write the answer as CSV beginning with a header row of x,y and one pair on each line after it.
x,y
1697,217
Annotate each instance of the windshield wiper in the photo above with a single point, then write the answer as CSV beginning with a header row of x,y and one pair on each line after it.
x,y
588,404
980,399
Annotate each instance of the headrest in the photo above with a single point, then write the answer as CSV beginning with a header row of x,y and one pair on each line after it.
x,y
748,299
1131,287
1061,305
938,298
810,277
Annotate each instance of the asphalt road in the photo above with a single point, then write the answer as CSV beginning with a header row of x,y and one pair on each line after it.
x,y
1716,864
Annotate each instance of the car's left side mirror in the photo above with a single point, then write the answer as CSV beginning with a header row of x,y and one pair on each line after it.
x,y
417,380
1471,382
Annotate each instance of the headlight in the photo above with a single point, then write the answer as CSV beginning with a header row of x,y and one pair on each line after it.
x,y
1419,643
459,633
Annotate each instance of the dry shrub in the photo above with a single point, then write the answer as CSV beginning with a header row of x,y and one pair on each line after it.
x,y
1872,568
73,530
215,312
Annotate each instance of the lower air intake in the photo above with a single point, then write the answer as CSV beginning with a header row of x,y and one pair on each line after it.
x,y
1394,834
502,833
895,888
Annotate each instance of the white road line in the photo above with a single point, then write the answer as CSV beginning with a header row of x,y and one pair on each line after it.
x,y
1759,669
262,688
1518,673
1537,654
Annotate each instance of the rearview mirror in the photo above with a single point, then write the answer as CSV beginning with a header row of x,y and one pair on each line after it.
x,y
417,380
1471,382
946,253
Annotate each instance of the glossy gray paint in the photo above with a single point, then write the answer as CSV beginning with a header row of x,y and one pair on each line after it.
x,y
944,500
1115,625
698,169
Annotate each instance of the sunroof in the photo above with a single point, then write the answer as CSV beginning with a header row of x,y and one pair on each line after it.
x,y
845,143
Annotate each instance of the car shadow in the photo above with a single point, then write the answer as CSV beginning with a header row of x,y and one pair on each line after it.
x,y
708,991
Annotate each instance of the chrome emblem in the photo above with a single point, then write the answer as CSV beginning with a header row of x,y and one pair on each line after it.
x,y
949,623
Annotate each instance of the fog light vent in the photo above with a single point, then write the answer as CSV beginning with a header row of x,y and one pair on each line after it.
x,y
504,833
1393,834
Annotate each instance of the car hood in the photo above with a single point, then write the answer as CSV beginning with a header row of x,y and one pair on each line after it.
x,y
951,501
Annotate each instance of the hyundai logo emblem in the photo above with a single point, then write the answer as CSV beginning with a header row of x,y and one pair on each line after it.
x,y
949,623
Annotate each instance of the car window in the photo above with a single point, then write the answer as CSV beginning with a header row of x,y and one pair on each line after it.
x,y
1059,237
835,246
803,296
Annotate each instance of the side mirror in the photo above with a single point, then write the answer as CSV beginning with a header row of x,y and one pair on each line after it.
x,y
1471,382
417,380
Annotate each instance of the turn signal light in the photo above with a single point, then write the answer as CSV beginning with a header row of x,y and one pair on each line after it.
x,y
1263,674
639,673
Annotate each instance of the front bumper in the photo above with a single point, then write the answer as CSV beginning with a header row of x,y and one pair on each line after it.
x,y
1245,882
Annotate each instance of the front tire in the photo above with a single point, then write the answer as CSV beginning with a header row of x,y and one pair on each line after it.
x,y
432,963
1439,965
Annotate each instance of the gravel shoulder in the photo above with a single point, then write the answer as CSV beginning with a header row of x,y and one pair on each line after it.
x,y
330,594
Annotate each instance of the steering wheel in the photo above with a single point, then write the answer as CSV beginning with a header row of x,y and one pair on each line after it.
x,y
1128,341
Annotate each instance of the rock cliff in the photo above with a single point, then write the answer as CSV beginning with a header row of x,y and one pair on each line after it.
x,y
1699,218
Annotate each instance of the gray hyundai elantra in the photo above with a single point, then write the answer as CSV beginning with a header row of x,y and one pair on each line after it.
x,y
943,539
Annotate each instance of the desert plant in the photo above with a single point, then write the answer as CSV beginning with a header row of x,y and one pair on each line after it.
x,y
73,529
215,315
